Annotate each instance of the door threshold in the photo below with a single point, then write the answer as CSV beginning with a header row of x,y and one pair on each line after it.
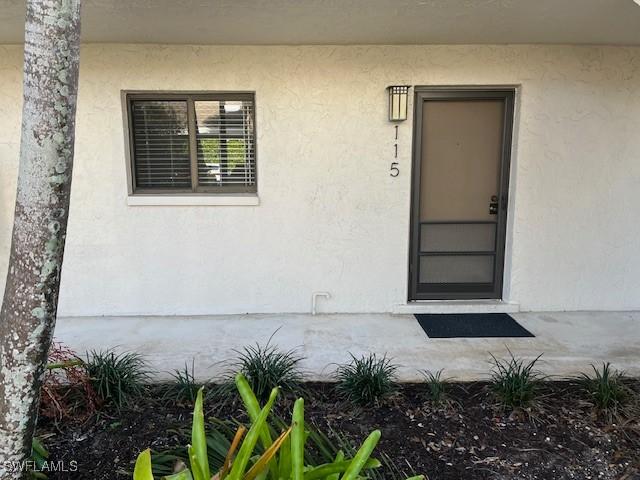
x,y
456,306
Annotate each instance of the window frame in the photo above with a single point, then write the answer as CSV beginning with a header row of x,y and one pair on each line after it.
x,y
129,96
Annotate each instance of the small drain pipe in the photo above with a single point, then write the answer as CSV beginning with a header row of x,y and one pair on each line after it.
x,y
314,299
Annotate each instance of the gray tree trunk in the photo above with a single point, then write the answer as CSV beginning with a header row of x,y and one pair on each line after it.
x,y
27,318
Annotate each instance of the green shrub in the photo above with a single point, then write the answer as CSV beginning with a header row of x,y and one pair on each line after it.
x,y
280,458
366,380
184,387
437,386
606,388
514,382
219,435
117,378
266,367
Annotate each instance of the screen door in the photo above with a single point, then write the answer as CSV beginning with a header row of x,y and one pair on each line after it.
x,y
459,204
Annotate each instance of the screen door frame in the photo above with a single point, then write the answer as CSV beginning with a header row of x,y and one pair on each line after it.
x,y
460,291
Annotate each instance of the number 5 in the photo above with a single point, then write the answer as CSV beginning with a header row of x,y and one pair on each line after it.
x,y
395,171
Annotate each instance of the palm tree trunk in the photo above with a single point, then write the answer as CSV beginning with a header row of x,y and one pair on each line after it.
x,y
28,314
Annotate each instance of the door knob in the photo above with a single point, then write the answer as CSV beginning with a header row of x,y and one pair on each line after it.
x,y
493,205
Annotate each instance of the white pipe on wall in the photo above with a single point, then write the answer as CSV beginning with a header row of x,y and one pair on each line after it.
x,y
314,297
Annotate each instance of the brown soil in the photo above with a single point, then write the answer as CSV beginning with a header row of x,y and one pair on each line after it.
x,y
470,437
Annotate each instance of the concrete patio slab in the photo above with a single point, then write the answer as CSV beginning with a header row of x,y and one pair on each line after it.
x,y
569,341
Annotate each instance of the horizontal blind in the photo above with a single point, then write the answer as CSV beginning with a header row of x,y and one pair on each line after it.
x,y
225,143
161,144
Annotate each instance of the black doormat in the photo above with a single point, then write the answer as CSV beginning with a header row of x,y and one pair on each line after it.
x,y
471,325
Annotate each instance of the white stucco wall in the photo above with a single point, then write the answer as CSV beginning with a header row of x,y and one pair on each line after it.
x,y
330,217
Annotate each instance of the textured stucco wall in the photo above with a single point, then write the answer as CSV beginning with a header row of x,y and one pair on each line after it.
x,y
331,218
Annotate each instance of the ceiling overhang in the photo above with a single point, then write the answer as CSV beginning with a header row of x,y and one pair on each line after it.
x,y
344,22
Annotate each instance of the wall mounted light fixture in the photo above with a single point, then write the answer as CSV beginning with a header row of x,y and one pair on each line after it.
x,y
398,102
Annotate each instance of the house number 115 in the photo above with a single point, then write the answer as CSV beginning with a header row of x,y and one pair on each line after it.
x,y
394,171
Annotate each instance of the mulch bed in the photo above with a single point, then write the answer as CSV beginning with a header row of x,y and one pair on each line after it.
x,y
470,437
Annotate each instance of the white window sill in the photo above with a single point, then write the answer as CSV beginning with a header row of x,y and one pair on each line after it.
x,y
193,200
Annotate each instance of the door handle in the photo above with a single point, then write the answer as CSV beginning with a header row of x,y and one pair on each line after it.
x,y
493,205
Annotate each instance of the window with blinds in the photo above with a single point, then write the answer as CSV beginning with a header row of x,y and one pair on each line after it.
x,y
192,143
